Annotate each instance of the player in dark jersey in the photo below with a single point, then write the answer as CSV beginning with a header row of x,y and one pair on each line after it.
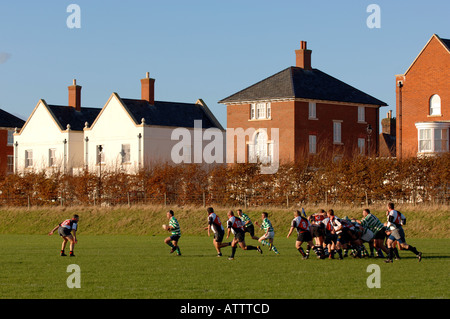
x,y
236,226
68,231
248,224
318,229
302,226
215,225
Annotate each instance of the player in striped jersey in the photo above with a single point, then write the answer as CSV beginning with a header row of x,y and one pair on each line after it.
x,y
267,238
394,226
371,222
235,225
174,228
248,225
68,231
215,225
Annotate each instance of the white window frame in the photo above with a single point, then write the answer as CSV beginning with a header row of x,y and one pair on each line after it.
x,y
28,158
435,105
337,132
260,111
312,111
312,144
361,114
432,137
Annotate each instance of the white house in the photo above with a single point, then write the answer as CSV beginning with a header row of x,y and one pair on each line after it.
x,y
126,134
52,137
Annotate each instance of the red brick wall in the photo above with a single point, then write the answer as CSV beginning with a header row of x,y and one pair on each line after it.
x,y
5,150
294,127
428,75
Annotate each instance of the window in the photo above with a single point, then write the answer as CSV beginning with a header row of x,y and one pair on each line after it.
x,y
10,164
51,157
361,114
10,137
435,105
362,146
337,132
260,150
440,140
100,154
259,111
252,111
312,110
126,153
425,140
312,144
433,137
28,158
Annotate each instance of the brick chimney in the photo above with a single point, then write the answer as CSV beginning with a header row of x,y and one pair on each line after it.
x,y
303,57
148,89
75,96
388,124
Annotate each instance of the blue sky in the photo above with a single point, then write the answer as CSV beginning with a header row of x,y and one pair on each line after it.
x,y
203,49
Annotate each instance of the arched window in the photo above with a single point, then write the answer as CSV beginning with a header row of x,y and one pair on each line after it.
x,y
435,105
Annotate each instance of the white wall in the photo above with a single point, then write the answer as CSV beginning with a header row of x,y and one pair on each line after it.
x,y
42,133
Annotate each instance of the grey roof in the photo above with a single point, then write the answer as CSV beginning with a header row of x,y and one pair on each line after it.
x,y
68,115
295,82
9,120
446,42
168,113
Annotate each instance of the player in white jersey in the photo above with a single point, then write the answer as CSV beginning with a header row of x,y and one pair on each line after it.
x,y
395,220
215,225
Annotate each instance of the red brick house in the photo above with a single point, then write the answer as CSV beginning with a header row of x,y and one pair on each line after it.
x,y
423,102
8,124
314,112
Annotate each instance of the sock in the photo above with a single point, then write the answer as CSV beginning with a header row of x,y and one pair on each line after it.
x,y
265,242
339,251
170,244
396,253
413,249
274,249
302,252
233,251
391,253
71,252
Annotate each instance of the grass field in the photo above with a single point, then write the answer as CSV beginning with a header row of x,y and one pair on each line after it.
x,y
135,267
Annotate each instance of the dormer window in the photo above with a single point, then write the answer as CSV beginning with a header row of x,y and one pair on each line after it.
x,y
435,105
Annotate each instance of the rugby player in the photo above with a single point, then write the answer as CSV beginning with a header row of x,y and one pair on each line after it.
x,y
68,231
372,223
248,225
394,226
302,225
174,228
267,238
235,225
215,225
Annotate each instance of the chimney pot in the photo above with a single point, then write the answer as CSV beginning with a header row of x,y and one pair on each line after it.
x,y
303,56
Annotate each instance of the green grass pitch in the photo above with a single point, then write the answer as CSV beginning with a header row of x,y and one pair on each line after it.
x,y
138,267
